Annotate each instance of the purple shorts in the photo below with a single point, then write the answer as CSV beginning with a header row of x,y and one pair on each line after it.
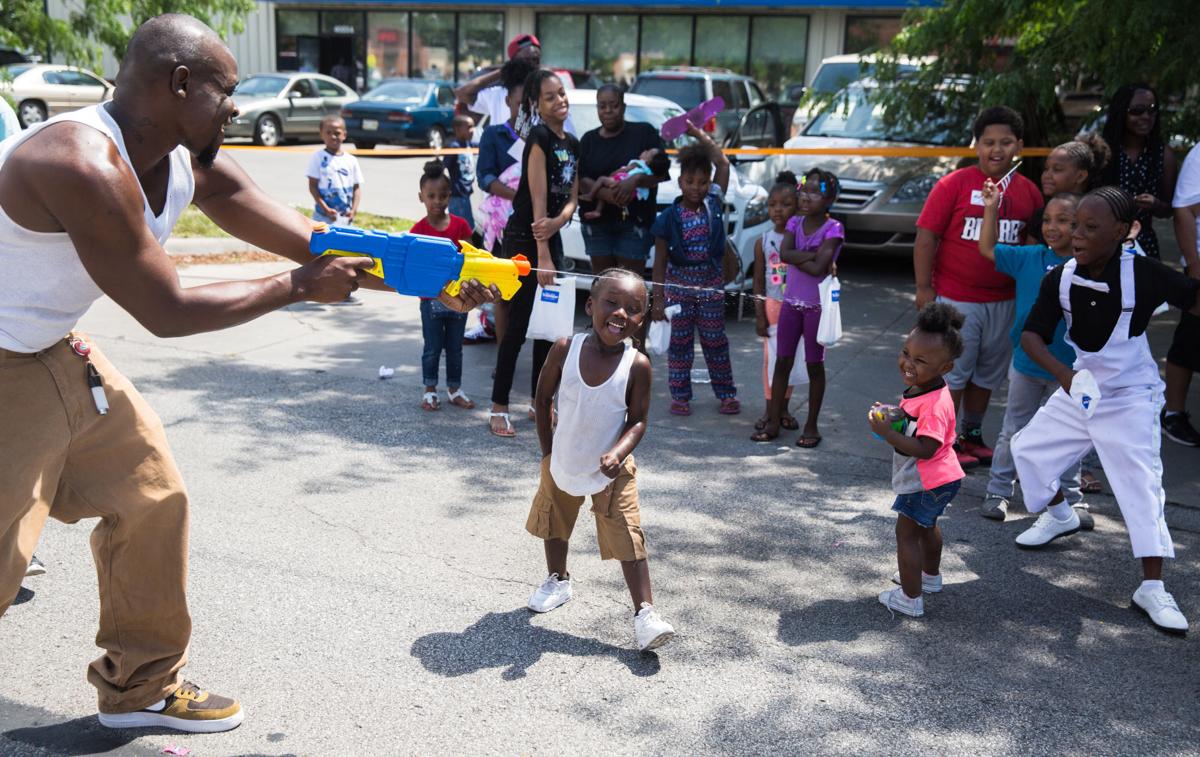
x,y
796,321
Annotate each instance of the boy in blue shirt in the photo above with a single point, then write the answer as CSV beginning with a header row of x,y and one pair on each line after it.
x,y
1028,384
462,171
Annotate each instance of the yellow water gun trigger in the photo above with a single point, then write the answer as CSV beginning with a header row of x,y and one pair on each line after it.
x,y
375,270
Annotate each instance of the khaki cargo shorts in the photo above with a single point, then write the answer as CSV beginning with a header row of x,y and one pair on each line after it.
x,y
618,519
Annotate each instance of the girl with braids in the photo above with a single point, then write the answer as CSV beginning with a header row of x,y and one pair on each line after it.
x,y
1143,164
1106,296
810,248
544,203
925,471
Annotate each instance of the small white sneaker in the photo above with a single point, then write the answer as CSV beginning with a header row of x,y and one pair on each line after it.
x,y
1160,606
650,629
929,584
35,568
1046,529
895,600
552,593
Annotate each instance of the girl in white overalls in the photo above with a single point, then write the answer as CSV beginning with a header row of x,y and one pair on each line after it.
x,y
1121,420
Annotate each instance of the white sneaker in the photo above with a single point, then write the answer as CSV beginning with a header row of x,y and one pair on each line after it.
x,y
552,593
35,568
1160,606
895,600
650,629
929,584
1046,529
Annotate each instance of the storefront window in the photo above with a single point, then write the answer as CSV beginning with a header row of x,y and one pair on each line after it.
x,y
387,47
296,48
480,42
778,47
666,41
612,47
721,41
870,33
433,45
563,39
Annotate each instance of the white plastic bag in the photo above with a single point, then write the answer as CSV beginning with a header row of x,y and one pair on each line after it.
x,y
658,337
799,374
829,331
553,315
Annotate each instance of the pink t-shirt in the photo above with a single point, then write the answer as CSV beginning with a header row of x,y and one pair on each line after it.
x,y
804,287
930,414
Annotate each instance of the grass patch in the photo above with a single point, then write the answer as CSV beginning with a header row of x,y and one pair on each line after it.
x,y
193,223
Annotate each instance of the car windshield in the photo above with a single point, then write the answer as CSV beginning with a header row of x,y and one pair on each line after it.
x,y
683,91
833,77
13,72
585,118
399,91
261,85
856,113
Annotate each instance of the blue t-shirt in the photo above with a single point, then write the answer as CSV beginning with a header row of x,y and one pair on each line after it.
x,y
1028,264
461,169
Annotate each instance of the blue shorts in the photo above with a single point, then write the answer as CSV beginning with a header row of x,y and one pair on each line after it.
x,y
927,506
621,239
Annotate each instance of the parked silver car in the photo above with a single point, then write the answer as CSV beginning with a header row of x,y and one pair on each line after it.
x,y
42,91
275,107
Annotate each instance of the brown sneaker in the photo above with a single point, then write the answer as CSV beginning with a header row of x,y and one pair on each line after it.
x,y
189,709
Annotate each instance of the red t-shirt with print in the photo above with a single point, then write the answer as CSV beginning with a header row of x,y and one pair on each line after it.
x,y
456,231
954,211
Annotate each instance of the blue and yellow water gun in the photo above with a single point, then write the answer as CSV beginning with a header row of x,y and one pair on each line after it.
x,y
420,265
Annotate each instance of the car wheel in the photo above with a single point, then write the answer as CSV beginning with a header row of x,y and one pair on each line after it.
x,y
437,138
31,112
267,131
363,144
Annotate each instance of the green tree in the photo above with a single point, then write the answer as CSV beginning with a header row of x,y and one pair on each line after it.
x,y
94,24
1021,53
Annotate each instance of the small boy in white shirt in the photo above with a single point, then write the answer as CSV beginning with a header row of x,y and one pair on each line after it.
x,y
334,178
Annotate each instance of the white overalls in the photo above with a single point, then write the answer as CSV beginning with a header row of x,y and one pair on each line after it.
x,y
1124,427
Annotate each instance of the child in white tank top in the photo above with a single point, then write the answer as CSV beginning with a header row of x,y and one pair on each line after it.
x,y
603,388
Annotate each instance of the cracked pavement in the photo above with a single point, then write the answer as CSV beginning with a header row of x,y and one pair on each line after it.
x,y
359,571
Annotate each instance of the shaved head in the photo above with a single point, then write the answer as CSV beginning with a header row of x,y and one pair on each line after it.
x,y
171,40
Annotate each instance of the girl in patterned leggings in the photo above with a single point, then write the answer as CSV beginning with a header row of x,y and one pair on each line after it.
x,y
689,244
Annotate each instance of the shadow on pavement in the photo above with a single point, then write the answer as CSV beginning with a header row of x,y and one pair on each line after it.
x,y
509,640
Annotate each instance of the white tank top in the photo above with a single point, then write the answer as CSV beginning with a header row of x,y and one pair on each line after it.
x,y
44,288
590,420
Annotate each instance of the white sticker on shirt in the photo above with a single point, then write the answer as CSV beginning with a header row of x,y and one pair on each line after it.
x,y
977,197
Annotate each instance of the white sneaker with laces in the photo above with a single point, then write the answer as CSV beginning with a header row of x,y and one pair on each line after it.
x,y
552,593
1160,606
929,584
895,600
650,629
1046,529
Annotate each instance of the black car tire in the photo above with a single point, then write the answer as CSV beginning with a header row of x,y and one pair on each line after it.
x,y
436,139
267,131
35,108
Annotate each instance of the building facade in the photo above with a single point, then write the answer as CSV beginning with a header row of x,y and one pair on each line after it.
x,y
778,43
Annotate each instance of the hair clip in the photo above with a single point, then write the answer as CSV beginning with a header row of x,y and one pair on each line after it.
x,y
822,187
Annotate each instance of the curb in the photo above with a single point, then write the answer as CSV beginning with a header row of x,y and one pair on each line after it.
x,y
208,246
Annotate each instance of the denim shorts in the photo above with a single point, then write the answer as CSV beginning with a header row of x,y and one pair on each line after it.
x,y
926,507
622,239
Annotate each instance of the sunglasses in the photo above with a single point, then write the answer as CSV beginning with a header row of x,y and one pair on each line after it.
x,y
1141,110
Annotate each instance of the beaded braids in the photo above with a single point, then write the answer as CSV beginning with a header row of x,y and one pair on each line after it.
x,y
527,115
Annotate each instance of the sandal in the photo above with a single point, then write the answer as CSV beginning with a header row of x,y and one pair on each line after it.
x,y
789,422
764,436
507,432
730,406
429,402
680,408
1089,484
808,442
458,398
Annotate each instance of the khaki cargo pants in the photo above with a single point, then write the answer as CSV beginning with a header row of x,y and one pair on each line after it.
x,y
59,457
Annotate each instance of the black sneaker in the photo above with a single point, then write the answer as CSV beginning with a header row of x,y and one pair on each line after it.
x,y
1179,429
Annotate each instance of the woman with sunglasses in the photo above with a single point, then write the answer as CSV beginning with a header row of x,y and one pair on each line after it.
x,y
1142,165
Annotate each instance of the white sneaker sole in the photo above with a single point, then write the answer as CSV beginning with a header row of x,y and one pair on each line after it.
x,y
1039,545
548,609
657,641
35,571
1153,622
159,720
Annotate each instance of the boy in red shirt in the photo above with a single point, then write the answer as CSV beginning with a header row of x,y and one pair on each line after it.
x,y
950,269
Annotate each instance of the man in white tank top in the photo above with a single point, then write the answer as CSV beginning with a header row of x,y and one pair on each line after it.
x,y
86,201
